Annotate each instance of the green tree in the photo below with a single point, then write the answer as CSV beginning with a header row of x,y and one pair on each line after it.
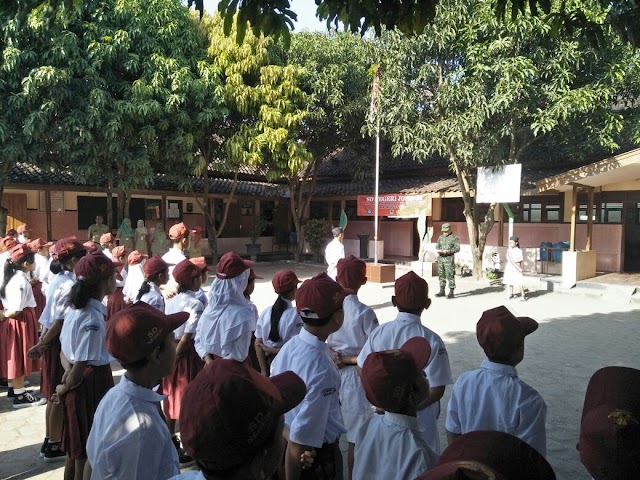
x,y
335,77
481,92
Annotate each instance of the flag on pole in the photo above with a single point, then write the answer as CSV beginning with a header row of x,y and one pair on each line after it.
x,y
375,95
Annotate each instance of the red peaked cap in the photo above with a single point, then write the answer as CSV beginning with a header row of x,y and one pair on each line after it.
x,y
500,332
411,292
319,297
352,272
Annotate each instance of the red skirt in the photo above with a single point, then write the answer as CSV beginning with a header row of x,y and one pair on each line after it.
x,y
17,336
80,405
52,370
187,366
115,303
41,300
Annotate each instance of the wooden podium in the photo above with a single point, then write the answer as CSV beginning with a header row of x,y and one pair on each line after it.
x,y
381,272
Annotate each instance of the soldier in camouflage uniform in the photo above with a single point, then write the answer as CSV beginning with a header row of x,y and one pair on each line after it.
x,y
448,245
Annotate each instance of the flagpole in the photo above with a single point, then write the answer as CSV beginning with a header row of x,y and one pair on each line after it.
x,y
375,227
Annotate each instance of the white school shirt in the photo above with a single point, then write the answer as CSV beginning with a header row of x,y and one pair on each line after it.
x,y
202,296
3,260
393,335
185,302
190,475
83,334
18,293
214,336
41,272
123,273
494,398
289,326
332,253
107,253
58,298
173,257
129,438
317,419
390,446
154,297
133,282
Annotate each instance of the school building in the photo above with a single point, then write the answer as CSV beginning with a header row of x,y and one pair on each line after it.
x,y
553,208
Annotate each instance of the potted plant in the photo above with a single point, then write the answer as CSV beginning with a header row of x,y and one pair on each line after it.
x,y
258,227
315,234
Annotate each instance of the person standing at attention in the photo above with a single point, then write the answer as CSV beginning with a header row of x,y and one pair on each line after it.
x,y
513,270
334,252
446,247
97,230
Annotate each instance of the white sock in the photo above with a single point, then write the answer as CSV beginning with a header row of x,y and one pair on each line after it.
x,y
18,391
10,384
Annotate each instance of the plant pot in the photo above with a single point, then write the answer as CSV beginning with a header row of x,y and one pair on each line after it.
x,y
253,249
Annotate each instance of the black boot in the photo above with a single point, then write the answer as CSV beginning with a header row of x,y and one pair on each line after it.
x,y
440,293
450,293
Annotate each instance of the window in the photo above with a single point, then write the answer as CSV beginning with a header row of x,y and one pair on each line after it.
x,y
57,202
319,210
539,209
553,212
611,212
532,212
582,213
336,211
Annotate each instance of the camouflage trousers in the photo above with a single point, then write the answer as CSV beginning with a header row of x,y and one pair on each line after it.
x,y
447,272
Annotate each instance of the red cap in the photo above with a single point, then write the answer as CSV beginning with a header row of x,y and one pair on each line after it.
x,y
231,265
107,238
178,231
319,297
497,455
500,332
411,292
118,251
23,228
201,263
284,281
95,267
610,429
388,377
352,272
20,250
253,276
8,243
230,411
185,271
38,243
91,246
136,330
136,257
68,247
154,265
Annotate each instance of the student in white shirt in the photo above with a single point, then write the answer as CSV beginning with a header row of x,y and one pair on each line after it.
x,y
179,236
201,263
493,397
359,321
115,301
334,251
85,357
68,251
135,276
316,424
156,274
18,324
513,270
107,243
188,363
129,437
227,324
389,444
412,298
278,323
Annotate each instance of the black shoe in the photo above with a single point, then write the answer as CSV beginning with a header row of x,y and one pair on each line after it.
x,y
25,399
54,453
43,448
10,393
4,383
440,293
450,294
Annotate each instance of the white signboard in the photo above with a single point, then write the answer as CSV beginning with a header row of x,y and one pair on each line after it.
x,y
499,184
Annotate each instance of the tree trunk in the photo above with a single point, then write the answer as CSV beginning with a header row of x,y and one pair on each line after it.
x,y
109,219
127,204
6,166
299,202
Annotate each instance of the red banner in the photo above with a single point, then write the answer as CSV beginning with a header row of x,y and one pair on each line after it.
x,y
394,205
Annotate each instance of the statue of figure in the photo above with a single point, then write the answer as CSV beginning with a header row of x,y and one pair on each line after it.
x,y
159,240
140,238
125,235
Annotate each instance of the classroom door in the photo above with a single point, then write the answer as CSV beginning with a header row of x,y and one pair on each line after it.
x,y
632,237
16,205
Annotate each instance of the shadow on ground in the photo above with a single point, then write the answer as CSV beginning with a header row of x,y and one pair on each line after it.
x,y
25,462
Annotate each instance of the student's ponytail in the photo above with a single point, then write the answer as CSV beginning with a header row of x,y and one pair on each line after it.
x,y
9,271
83,291
55,267
144,289
279,306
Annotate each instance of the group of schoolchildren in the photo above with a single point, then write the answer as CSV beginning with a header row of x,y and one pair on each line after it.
x,y
269,396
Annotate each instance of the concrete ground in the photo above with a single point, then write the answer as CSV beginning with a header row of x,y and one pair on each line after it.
x,y
577,336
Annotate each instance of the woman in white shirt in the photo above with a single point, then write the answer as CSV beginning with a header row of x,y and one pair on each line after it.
x,y
513,276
